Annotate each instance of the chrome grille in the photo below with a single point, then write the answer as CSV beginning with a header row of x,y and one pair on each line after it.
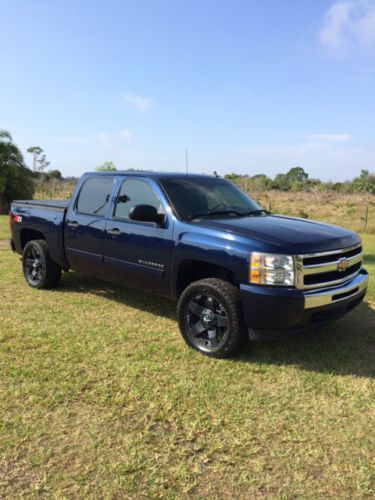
x,y
324,269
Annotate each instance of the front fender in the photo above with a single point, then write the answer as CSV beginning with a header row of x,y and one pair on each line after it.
x,y
220,250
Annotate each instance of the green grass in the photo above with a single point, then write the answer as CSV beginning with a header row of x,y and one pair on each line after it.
x,y
4,231
100,397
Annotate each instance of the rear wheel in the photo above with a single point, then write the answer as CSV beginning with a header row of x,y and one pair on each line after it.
x,y
39,269
210,318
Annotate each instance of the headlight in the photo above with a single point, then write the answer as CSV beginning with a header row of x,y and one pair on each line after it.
x,y
271,269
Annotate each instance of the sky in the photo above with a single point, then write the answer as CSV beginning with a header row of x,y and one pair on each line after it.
x,y
247,86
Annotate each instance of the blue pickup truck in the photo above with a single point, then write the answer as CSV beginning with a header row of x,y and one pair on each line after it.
x,y
237,271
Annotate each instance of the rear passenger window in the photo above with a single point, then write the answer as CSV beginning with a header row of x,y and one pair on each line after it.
x,y
95,195
135,192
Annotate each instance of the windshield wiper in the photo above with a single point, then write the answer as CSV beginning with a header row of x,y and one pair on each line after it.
x,y
217,212
256,212
230,212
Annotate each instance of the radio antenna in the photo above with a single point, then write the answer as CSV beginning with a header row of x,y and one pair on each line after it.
x,y
186,161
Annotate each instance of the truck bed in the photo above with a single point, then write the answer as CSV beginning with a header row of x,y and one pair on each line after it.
x,y
43,219
51,204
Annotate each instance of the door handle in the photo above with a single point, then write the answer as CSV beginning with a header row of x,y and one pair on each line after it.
x,y
73,224
115,231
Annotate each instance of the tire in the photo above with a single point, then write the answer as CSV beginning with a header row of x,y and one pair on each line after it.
x,y
39,270
210,318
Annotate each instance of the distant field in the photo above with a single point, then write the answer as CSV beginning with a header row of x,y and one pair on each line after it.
x,y
61,192
100,398
347,210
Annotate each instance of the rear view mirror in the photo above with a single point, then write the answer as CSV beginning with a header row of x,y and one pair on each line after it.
x,y
146,213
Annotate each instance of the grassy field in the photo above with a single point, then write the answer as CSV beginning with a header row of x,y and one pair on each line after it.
x,y
100,397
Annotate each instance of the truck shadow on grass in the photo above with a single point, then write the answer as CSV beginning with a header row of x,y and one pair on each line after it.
x,y
130,297
345,347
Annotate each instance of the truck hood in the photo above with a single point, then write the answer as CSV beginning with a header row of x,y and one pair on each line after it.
x,y
286,234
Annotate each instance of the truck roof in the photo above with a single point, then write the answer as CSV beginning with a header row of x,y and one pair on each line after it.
x,y
150,173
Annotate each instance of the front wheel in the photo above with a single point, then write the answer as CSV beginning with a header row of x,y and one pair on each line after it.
x,y
39,269
210,318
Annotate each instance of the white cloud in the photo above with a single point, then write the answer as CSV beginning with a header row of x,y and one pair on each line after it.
x,y
138,101
335,22
348,23
126,135
73,140
330,137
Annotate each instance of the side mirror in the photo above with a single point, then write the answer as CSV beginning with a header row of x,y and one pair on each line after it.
x,y
146,213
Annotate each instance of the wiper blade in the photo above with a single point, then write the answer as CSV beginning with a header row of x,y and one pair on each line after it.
x,y
230,212
256,212
218,212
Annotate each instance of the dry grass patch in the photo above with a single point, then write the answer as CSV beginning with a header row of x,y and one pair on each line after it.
x,y
347,210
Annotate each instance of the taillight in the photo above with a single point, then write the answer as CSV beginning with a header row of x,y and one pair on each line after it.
x,y
14,218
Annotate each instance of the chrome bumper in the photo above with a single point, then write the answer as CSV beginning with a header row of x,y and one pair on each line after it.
x,y
336,295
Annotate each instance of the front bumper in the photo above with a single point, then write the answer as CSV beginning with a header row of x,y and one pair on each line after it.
x,y
271,308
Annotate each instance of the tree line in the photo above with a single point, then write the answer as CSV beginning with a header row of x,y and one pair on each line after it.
x,y
17,181
296,179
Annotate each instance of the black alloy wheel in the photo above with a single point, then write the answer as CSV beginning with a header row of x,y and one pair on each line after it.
x,y
39,269
207,322
33,265
210,318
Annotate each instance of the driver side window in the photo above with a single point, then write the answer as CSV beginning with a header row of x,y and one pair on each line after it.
x,y
135,192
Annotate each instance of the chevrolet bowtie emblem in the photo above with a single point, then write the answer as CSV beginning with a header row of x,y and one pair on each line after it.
x,y
342,264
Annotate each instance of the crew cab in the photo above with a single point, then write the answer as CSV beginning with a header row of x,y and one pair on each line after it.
x,y
235,270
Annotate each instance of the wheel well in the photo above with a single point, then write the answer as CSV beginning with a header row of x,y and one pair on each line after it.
x,y
194,270
30,234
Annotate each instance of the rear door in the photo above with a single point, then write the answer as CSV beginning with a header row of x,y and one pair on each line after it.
x,y
85,224
139,253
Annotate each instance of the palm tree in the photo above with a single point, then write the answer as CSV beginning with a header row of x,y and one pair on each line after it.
x,y
9,152
16,180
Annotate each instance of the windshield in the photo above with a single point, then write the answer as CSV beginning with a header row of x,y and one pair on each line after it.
x,y
205,196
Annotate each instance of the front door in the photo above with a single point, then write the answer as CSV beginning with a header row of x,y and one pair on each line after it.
x,y
139,253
